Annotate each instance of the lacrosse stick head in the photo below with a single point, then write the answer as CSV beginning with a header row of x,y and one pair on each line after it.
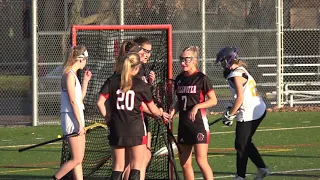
x,y
164,150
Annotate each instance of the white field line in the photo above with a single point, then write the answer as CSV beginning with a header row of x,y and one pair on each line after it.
x,y
273,129
226,132
278,172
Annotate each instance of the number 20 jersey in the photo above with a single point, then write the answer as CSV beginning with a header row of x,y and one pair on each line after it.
x,y
126,111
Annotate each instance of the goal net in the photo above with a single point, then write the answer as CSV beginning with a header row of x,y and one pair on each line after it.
x,y
103,44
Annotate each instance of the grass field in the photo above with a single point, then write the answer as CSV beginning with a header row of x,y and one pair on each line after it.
x,y
289,143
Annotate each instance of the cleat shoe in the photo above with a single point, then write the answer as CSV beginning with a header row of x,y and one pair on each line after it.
x,y
239,178
262,172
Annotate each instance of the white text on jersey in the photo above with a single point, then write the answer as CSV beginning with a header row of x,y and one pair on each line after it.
x,y
187,89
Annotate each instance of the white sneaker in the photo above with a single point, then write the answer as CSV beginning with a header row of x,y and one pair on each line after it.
x,y
262,172
239,178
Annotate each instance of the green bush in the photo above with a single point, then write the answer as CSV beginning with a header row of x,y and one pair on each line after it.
x,y
14,85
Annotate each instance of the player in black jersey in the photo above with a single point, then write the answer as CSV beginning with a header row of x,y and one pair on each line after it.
x,y
127,130
145,53
127,47
191,87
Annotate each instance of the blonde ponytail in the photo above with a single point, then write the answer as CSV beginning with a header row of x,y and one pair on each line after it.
x,y
131,62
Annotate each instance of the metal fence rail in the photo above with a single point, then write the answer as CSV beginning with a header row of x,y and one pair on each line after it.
x,y
278,39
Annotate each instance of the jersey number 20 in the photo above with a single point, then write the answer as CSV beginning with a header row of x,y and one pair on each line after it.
x,y
125,101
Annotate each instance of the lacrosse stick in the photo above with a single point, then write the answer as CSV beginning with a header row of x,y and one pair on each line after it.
x,y
87,129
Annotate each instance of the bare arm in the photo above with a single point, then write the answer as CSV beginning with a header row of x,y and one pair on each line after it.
x,y
86,78
101,105
154,109
174,110
211,101
70,85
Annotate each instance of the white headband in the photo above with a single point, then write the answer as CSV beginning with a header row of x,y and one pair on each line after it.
x,y
85,55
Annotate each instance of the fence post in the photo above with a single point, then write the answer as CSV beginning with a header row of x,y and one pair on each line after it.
x,y
203,18
34,36
279,8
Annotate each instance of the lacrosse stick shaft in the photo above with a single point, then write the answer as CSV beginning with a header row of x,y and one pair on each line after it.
x,y
215,121
173,138
171,158
47,142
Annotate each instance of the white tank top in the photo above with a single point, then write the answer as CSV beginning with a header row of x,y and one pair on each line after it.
x,y
253,106
65,101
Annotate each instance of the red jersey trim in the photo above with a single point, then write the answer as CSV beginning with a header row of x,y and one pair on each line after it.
x,y
104,95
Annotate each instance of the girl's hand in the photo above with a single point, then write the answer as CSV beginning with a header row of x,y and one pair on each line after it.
x,y
193,112
81,130
166,117
152,77
171,114
87,75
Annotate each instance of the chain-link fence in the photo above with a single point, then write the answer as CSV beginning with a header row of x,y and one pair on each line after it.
x,y
251,25
15,64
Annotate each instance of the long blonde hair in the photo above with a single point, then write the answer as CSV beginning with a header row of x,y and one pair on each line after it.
x,y
195,52
72,58
131,62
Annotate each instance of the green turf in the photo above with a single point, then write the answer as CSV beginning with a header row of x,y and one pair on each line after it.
x,y
289,143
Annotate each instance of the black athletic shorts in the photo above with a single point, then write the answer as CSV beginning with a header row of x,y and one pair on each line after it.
x,y
127,141
193,135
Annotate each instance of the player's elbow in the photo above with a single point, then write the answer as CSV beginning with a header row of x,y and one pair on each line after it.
x,y
73,102
214,102
100,104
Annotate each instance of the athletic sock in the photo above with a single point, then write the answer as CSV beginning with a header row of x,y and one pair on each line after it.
x,y
116,175
134,174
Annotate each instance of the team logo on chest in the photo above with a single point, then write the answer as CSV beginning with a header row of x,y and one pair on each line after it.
x,y
187,89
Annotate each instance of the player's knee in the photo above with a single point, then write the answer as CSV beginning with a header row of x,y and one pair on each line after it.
x,y
240,146
134,174
202,163
185,165
116,175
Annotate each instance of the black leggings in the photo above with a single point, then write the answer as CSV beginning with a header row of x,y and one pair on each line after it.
x,y
244,146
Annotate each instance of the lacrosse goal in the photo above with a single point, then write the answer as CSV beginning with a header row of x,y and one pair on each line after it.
x,y
103,44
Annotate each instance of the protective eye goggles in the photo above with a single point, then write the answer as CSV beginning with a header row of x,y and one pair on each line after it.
x,y
146,50
185,59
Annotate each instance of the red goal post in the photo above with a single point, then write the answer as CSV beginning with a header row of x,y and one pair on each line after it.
x,y
103,43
